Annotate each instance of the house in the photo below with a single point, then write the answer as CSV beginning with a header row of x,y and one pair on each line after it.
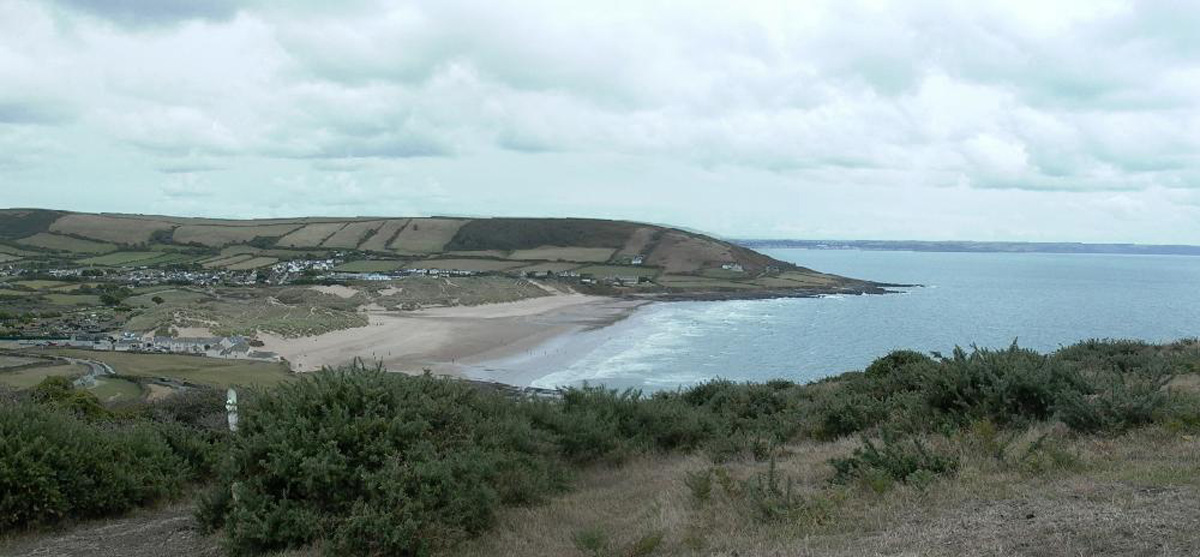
x,y
637,260
735,267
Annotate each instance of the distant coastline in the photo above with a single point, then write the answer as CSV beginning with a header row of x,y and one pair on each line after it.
x,y
980,247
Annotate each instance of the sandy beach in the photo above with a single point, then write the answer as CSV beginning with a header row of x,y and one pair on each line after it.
x,y
487,341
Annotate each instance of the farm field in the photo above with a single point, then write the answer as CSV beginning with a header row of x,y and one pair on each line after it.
x,y
383,235
5,258
477,265
351,235
311,235
27,377
556,253
216,236
120,230
72,299
426,235
221,262
618,271
252,263
370,266
194,369
686,281
549,267
121,258
45,284
66,243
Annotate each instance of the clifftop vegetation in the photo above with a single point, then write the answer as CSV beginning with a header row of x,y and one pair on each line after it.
x,y
357,461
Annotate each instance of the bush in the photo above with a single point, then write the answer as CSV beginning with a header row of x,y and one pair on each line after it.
x,y
1121,400
902,460
376,464
55,465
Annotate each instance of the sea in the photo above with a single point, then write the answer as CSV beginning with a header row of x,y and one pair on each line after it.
x,y
1039,300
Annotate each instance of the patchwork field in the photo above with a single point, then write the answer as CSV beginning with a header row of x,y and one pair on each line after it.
x,y
549,267
72,299
312,235
121,258
252,263
120,230
221,262
605,271
426,235
367,266
217,236
351,235
557,253
383,235
66,243
477,265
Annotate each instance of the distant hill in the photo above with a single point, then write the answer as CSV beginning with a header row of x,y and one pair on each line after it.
x,y
670,257
994,247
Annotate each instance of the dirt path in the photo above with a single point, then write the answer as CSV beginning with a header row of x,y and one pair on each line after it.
x,y
150,533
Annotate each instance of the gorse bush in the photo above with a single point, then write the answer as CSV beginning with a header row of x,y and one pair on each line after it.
x,y
63,455
371,463
54,465
905,460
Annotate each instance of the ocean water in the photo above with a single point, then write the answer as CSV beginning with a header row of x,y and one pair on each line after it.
x,y
989,299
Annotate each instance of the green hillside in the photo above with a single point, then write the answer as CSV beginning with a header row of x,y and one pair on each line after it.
x,y
669,258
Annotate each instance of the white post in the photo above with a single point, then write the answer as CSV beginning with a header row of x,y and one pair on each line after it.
x,y
231,408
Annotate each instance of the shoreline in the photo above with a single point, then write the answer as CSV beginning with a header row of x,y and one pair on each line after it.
x,y
459,341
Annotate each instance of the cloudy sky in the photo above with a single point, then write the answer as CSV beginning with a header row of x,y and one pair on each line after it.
x,y
1005,120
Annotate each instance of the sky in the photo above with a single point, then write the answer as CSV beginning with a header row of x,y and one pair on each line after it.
x,y
983,120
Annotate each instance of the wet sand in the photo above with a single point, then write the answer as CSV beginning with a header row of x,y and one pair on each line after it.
x,y
484,342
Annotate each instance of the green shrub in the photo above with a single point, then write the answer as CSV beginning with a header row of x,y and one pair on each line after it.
x,y
55,465
844,414
900,460
372,463
1121,399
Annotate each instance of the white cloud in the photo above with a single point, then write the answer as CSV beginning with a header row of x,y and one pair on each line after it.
x,y
793,110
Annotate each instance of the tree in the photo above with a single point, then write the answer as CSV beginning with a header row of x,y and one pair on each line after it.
x,y
157,300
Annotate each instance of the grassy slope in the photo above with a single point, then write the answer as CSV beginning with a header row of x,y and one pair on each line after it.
x,y
193,369
685,257
1135,494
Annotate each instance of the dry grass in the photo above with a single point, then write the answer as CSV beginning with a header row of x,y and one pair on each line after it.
x,y
426,235
196,369
217,236
558,253
121,230
66,243
383,235
639,242
477,265
225,261
121,258
350,235
680,253
252,263
549,267
29,376
310,236
1132,495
